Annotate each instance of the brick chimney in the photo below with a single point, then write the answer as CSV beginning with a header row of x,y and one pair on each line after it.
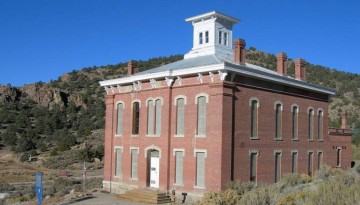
x,y
281,63
132,67
300,69
239,51
344,120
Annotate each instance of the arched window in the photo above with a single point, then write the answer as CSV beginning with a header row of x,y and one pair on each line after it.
x,y
180,113
201,117
120,113
254,104
278,120
294,122
320,125
158,105
136,118
311,123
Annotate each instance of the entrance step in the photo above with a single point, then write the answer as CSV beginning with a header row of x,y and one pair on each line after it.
x,y
149,196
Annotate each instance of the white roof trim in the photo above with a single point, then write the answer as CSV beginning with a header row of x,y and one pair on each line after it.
x,y
243,70
212,14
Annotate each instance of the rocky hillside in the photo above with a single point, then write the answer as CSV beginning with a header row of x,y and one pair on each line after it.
x,y
59,114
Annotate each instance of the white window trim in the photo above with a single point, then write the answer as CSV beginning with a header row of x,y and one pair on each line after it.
x,y
147,101
179,150
278,102
253,151
201,95
310,108
137,148
118,102
178,97
200,150
277,151
256,99
150,148
134,148
292,108
119,147
132,103
338,148
322,112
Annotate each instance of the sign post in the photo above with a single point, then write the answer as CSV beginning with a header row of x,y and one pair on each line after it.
x,y
39,187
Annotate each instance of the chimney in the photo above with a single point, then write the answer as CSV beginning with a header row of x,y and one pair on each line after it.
x,y
281,63
132,67
344,120
300,69
239,51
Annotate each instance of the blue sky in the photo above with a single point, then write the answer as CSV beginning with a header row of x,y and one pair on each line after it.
x,y
40,39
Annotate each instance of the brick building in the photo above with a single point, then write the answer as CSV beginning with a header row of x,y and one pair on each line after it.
x,y
196,124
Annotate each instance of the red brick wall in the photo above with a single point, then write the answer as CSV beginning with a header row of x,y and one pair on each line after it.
x,y
227,101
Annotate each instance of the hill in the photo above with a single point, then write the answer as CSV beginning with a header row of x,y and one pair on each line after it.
x,y
55,116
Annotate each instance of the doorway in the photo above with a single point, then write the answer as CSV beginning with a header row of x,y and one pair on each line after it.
x,y
154,168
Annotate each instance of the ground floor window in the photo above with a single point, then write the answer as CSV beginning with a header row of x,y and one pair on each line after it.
x,y
277,166
179,156
134,163
118,162
200,169
294,159
310,163
253,166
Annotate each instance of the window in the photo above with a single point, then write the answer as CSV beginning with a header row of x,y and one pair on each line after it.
x,y
294,159
134,163
320,159
254,115
206,36
150,125
278,121
180,113
295,111
200,38
338,157
154,117
225,39
118,153
311,124
320,125
158,117
200,169
120,111
277,166
136,118
310,163
253,166
201,117
179,158
220,37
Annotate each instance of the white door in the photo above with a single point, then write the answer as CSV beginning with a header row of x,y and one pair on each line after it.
x,y
154,172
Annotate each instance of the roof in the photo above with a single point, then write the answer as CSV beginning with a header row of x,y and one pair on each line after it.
x,y
213,63
212,14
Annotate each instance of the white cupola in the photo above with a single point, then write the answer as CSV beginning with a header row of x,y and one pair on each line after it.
x,y
212,35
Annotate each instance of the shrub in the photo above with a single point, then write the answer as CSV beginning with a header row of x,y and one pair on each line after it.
x,y
241,187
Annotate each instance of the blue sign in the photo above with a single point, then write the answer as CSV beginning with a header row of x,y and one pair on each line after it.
x,y
39,187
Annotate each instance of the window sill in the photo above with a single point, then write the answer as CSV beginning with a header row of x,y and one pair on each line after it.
x,y
152,135
278,139
338,166
178,135
134,135
255,138
311,140
178,184
133,179
118,135
200,136
118,177
321,140
296,140
199,187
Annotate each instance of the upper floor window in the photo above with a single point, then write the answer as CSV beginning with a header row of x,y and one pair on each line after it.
x,y
180,113
200,38
254,104
294,125
278,120
220,37
206,36
223,38
320,125
201,117
136,118
311,123
120,112
154,117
